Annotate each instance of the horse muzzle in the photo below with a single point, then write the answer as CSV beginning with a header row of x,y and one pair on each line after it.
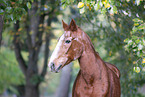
x,y
55,68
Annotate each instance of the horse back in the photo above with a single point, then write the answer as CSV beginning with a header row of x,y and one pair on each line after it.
x,y
114,89
113,68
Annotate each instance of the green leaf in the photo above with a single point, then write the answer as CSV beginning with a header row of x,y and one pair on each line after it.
x,y
130,42
1,11
112,2
63,1
134,37
114,9
28,5
136,69
7,17
141,26
137,41
96,6
9,9
20,1
3,2
14,90
64,6
136,20
103,11
24,11
72,1
32,1
86,1
134,29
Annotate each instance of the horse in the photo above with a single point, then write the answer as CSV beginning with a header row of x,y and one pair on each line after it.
x,y
96,78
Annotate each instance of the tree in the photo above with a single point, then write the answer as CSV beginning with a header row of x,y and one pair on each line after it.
x,y
34,27
28,35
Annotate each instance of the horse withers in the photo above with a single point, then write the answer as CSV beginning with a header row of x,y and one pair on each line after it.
x,y
96,78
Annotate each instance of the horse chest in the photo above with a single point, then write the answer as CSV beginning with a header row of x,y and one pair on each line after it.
x,y
83,89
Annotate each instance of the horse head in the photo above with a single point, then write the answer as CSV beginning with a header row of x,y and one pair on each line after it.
x,y
68,48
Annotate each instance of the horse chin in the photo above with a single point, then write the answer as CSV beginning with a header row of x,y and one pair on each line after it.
x,y
59,68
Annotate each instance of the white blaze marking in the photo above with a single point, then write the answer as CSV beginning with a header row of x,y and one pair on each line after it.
x,y
56,50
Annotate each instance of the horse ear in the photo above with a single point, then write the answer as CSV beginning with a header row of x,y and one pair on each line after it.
x,y
65,26
73,26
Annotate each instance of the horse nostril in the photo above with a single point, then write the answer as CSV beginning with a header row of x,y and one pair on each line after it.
x,y
52,66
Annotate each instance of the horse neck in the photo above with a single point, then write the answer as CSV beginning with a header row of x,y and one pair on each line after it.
x,y
91,64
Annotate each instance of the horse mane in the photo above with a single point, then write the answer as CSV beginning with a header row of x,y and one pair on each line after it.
x,y
87,39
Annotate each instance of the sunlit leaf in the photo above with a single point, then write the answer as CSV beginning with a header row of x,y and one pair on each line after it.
x,y
82,10
96,6
143,61
28,5
137,2
45,6
127,0
80,4
137,69
140,47
107,5
134,62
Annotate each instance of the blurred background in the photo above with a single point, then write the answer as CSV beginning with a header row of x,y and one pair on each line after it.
x,y
29,30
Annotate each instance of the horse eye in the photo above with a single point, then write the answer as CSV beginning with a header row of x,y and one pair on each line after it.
x,y
67,41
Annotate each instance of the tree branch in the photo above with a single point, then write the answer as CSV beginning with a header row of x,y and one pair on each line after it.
x,y
17,50
47,39
46,53
1,28
28,41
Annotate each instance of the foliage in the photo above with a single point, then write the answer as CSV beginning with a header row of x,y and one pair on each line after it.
x,y
30,29
13,9
10,73
109,23
136,44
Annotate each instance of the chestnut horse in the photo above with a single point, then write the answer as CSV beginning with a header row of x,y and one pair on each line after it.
x,y
96,78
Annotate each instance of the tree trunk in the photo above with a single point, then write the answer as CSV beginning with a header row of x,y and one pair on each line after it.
x,y
33,43
21,90
63,89
31,90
